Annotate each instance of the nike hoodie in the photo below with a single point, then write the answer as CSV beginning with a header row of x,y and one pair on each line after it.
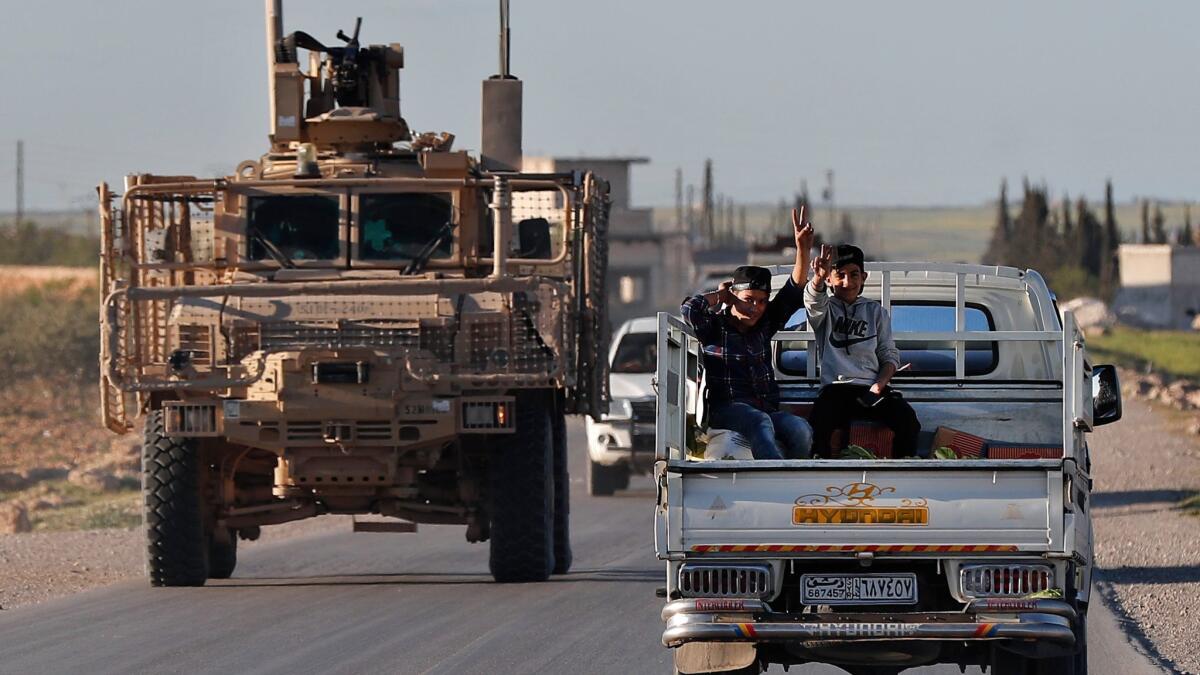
x,y
853,339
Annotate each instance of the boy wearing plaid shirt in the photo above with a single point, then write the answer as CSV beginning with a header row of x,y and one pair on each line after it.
x,y
734,325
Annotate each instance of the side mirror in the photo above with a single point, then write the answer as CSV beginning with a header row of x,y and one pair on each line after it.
x,y
1106,395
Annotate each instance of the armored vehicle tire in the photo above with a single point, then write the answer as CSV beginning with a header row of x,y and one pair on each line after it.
x,y
603,480
562,494
521,489
222,557
175,554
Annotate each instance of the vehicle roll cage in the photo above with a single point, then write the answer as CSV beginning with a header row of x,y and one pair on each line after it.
x,y
677,343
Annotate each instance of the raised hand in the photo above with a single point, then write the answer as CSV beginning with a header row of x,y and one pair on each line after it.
x,y
822,265
725,292
803,230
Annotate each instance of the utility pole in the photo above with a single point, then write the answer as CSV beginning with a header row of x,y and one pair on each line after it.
x,y
679,199
20,182
706,213
691,211
828,195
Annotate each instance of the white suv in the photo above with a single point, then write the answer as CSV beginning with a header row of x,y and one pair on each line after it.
x,y
623,440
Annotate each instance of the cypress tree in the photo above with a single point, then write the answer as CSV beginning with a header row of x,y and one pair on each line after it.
x,y
1160,225
1090,238
1072,240
1033,243
1146,236
1186,236
996,253
1111,239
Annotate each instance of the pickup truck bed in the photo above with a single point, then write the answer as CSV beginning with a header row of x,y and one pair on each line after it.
x,y
893,563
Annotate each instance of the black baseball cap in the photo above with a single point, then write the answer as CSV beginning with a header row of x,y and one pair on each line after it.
x,y
751,278
848,254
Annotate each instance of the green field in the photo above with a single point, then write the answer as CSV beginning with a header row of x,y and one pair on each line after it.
x,y
1175,353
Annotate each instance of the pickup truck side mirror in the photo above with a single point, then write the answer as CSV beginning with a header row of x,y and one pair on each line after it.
x,y
1106,395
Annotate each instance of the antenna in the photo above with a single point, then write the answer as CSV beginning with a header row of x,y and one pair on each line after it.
x,y
504,39
501,107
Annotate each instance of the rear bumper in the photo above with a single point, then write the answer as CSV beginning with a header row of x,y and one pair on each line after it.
x,y
735,620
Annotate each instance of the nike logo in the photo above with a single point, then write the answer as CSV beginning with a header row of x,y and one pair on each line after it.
x,y
842,344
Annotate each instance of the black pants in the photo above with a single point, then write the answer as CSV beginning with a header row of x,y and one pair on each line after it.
x,y
837,405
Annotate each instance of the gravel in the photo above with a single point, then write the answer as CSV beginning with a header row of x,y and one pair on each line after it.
x,y
39,566
1148,551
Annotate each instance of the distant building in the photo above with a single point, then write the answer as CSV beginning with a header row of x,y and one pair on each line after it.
x,y
648,270
1160,285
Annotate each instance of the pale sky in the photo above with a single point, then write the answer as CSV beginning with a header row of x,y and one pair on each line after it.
x,y
915,102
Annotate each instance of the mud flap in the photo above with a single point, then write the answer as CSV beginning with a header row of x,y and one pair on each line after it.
x,y
714,657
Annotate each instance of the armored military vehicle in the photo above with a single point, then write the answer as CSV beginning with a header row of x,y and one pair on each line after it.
x,y
361,321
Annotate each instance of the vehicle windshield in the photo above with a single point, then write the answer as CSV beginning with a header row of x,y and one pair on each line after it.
x,y
399,226
300,227
636,353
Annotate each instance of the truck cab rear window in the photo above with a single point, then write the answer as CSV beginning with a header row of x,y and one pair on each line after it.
x,y
399,226
301,227
928,358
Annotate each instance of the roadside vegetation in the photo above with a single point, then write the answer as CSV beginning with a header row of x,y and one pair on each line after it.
x,y
50,329
57,463
28,244
1174,353
59,505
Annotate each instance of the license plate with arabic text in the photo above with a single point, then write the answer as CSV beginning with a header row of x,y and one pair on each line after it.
x,y
858,589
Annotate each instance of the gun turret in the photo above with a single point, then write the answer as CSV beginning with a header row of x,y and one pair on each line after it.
x,y
353,92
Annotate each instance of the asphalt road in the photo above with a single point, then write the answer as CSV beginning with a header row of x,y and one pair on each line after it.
x,y
402,603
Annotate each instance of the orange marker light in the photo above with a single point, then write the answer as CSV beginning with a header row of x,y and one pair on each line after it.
x,y
501,415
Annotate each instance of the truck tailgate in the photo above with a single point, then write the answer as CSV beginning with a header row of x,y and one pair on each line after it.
x,y
818,508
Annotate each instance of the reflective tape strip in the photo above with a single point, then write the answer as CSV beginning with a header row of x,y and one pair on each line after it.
x,y
986,630
824,548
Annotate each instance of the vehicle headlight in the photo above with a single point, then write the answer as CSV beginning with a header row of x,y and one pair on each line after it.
x,y
619,409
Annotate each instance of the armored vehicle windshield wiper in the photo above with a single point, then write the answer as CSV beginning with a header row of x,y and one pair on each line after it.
x,y
419,261
271,249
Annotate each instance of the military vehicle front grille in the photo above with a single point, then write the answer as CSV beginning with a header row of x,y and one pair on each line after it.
x,y
305,431
279,336
725,581
373,431
364,430
190,419
643,411
990,581
523,342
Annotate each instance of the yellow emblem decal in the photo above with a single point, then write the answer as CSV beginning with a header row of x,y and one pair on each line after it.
x,y
854,504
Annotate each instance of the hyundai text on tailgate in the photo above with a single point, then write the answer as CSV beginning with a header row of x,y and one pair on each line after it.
x,y
978,552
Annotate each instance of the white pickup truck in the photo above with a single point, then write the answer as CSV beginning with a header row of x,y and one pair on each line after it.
x,y
977,553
